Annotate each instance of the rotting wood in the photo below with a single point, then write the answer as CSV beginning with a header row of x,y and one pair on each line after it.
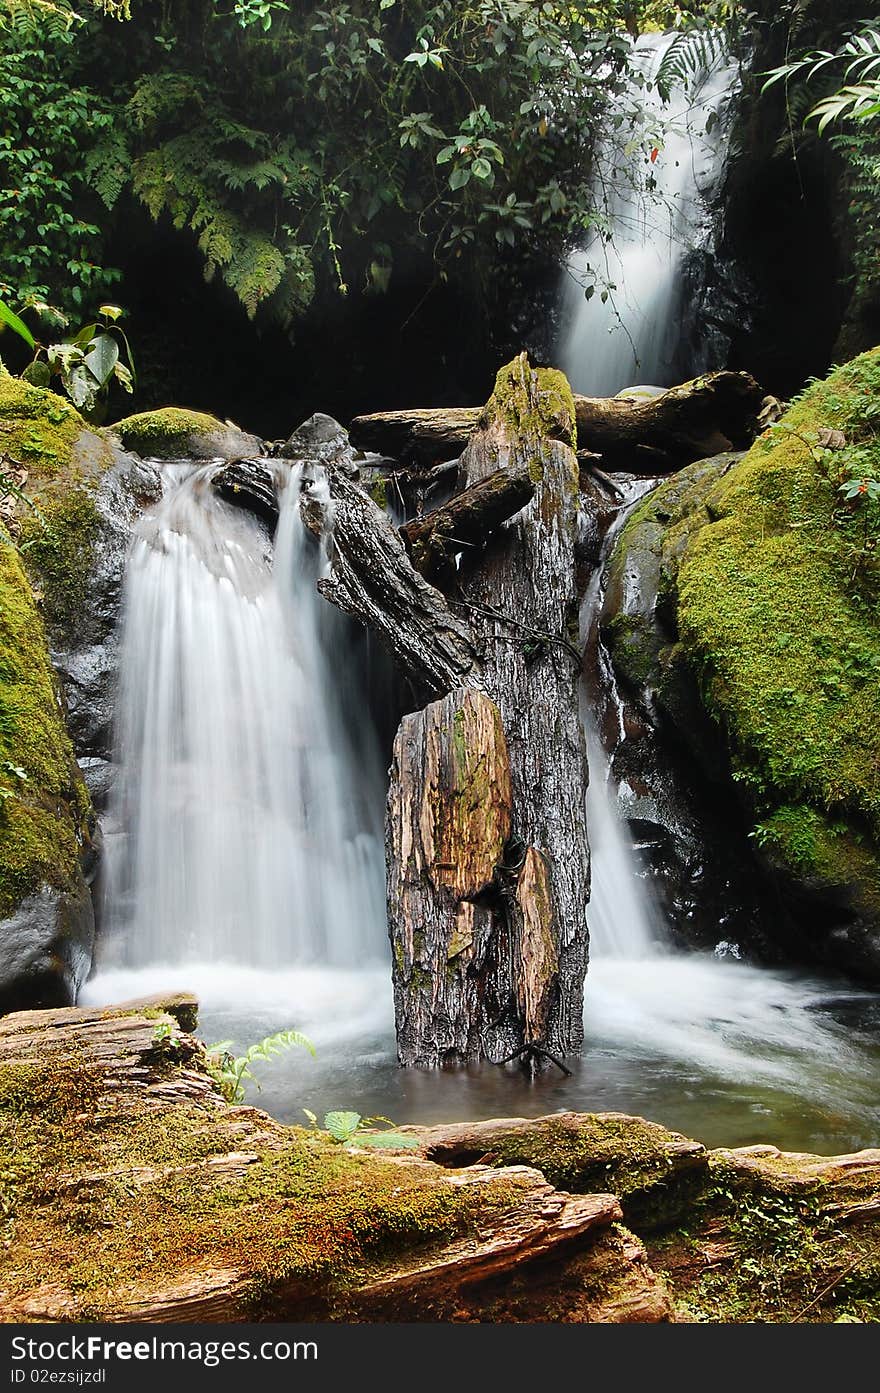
x,y
465,522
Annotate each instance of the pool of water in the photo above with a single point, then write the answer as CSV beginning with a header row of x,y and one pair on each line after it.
x,y
724,1052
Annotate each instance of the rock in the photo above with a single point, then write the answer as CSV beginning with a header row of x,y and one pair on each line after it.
x,y
750,646
174,433
85,640
47,842
46,946
321,440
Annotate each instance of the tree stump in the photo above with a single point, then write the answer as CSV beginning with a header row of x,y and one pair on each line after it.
x,y
488,864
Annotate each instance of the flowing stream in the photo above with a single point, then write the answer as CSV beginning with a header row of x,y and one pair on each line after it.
x,y
657,210
245,864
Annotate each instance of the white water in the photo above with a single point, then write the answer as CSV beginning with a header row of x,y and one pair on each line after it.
x,y
245,827
632,337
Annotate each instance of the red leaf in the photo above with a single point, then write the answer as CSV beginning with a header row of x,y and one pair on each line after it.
x,y
654,153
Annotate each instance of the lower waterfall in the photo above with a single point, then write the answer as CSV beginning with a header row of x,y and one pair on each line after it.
x,y
245,824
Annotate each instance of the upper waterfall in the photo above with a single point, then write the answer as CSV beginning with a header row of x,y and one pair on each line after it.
x,y
653,186
244,827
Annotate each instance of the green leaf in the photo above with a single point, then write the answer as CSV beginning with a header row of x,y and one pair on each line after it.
x,y
342,1125
459,177
102,358
481,169
12,321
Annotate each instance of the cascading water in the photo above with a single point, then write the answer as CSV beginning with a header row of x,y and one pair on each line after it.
x,y
244,834
655,211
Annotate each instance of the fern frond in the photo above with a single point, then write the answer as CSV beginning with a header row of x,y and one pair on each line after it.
x,y
691,54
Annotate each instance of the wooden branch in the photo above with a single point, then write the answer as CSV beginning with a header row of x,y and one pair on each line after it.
x,y
466,521
371,576
706,416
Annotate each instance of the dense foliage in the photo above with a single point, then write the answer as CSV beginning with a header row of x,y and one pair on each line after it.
x,y
321,143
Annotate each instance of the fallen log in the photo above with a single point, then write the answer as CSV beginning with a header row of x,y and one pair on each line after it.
x,y
134,1192
466,521
711,414
485,834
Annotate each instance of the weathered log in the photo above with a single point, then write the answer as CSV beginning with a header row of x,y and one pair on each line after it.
x,y
706,416
249,483
371,576
492,962
421,436
133,1191
466,521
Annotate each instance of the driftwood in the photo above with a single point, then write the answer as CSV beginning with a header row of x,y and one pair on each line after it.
x,y
465,522
371,575
706,416
157,1201
487,889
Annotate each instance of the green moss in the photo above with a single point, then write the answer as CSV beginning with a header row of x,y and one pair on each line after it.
x,y
548,414
609,1153
44,434
45,810
37,428
762,1244
378,491
777,611
167,433
305,1211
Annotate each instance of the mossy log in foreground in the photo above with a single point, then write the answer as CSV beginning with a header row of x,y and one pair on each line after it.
x,y
129,1190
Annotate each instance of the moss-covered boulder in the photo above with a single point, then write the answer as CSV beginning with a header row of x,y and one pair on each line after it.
x,y
174,433
46,823
766,582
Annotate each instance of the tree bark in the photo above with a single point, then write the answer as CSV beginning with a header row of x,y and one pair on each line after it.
x,y
372,578
706,416
491,961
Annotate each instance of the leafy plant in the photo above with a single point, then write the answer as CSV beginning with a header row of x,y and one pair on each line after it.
x,y
86,364
232,1071
346,1127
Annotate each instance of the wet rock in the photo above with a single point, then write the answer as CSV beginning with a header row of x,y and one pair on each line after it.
x,y
669,758
85,645
46,949
321,440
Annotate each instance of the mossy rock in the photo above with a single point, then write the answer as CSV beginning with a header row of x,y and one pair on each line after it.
x,y
46,920
772,583
173,433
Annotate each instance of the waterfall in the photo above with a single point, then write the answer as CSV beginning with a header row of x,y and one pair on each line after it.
x,y
245,823
653,184
622,919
